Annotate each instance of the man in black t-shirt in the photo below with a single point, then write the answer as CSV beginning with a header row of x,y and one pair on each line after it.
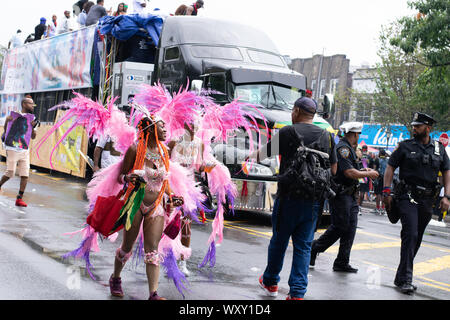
x,y
293,217
40,29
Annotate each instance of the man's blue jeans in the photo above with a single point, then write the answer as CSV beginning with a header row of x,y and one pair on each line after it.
x,y
296,219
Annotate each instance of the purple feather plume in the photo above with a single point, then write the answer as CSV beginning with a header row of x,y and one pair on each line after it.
x,y
138,256
83,252
172,271
210,256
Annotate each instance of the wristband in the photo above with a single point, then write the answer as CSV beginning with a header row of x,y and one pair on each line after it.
x,y
387,190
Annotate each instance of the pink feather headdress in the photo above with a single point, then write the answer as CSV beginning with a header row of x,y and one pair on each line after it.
x,y
183,107
97,119
222,122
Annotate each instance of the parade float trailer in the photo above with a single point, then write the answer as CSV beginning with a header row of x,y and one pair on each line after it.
x,y
229,59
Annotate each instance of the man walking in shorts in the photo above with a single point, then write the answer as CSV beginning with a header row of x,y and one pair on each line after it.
x,y
18,132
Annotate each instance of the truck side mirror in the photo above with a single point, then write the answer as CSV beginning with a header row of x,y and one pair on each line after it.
x,y
328,105
197,85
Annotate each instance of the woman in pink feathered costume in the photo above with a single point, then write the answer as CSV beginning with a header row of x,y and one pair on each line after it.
x,y
188,152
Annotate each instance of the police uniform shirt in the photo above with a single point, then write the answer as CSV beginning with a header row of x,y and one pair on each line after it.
x,y
420,164
346,159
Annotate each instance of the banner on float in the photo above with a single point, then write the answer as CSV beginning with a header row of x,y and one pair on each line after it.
x,y
67,155
375,135
59,63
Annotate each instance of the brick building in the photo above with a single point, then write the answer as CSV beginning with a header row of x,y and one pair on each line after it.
x,y
328,74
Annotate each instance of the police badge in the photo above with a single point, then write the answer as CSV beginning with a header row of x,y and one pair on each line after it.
x,y
344,152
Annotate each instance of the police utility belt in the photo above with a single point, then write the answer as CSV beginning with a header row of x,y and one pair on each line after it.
x,y
416,191
347,190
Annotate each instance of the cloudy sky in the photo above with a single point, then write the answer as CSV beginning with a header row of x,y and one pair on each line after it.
x,y
299,28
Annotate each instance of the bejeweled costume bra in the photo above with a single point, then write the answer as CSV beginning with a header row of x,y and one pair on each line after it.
x,y
154,177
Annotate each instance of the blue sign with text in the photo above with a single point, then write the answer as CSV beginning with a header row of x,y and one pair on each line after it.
x,y
374,135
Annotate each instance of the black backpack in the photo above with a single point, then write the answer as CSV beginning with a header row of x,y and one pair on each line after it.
x,y
308,175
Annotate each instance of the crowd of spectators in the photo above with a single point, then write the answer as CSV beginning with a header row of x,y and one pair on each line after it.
x,y
86,13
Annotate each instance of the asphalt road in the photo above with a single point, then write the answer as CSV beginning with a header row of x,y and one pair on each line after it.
x,y
32,241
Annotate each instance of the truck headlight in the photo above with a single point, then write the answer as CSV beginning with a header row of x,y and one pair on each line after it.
x,y
255,169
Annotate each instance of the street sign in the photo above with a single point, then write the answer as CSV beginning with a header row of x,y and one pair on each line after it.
x,y
444,139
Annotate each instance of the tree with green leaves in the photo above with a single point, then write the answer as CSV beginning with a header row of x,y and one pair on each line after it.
x,y
426,39
398,86
428,31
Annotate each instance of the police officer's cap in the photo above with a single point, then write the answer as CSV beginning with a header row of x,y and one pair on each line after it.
x,y
422,118
351,127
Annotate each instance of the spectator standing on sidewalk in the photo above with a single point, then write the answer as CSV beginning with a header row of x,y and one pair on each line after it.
x,y
294,216
364,186
18,132
380,165
344,207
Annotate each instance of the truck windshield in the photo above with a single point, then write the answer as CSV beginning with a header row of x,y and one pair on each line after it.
x,y
267,95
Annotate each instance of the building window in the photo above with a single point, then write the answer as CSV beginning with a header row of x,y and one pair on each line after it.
x,y
333,86
313,85
363,114
322,87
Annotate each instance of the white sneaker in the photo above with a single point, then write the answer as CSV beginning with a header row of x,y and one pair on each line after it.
x,y
183,268
437,223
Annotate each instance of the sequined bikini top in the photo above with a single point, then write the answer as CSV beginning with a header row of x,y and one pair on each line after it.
x,y
154,177
187,152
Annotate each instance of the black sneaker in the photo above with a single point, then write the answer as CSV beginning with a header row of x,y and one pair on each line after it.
x,y
348,268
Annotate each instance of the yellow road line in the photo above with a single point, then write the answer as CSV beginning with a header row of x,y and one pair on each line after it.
x,y
420,269
48,176
367,246
264,234
424,280
435,286
434,281
397,239
433,265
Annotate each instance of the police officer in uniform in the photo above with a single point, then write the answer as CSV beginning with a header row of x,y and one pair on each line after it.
x,y
344,207
419,159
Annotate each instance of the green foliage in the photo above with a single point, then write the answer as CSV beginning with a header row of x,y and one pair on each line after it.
x,y
428,31
401,85
425,38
